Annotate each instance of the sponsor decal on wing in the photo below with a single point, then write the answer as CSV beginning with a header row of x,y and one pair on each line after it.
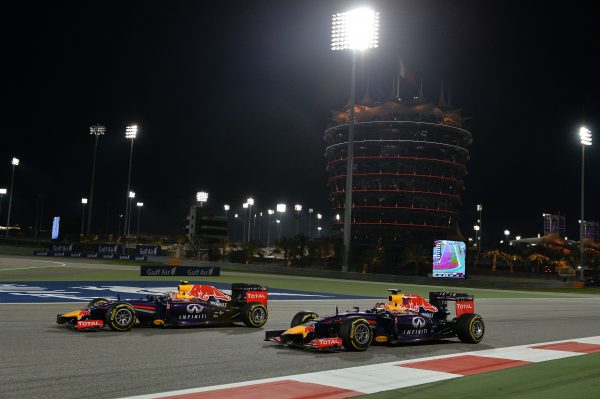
x,y
85,324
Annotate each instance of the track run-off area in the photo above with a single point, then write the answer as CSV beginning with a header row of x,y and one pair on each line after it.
x,y
44,360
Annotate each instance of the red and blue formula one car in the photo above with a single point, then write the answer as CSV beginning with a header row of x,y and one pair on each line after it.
x,y
404,318
190,305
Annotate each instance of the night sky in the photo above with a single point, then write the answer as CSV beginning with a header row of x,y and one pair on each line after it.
x,y
233,98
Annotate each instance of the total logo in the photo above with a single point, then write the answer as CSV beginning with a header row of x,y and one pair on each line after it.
x,y
464,306
256,295
81,324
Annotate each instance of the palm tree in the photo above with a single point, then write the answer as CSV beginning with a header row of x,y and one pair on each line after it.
x,y
285,246
538,258
494,254
371,257
416,255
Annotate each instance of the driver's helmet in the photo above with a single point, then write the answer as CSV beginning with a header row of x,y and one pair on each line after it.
x,y
395,304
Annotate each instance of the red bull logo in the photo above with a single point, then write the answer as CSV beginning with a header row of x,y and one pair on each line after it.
x,y
414,302
204,292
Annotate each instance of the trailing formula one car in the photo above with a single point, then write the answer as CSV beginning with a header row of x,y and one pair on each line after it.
x,y
404,318
190,305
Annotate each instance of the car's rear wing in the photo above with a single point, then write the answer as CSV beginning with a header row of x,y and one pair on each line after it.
x,y
464,303
245,293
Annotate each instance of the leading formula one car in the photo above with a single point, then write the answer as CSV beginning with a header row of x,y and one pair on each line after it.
x,y
190,305
404,318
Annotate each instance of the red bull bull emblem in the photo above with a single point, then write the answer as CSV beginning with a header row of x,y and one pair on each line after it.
x,y
414,302
204,292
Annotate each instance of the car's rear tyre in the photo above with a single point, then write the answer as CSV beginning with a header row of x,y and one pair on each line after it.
x,y
97,301
356,334
254,314
120,317
470,328
303,317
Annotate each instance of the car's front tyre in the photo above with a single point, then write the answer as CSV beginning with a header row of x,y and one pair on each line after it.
x,y
356,334
120,317
303,317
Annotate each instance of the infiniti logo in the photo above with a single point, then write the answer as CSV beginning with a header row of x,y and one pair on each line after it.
x,y
194,308
418,322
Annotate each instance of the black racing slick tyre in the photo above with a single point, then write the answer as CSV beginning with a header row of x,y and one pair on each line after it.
x,y
356,334
254,314
303,317
97,301
120,317
470,328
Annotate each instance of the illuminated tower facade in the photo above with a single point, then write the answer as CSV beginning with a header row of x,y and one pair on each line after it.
x,y
410,162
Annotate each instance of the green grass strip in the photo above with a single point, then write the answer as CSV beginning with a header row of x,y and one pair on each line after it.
x,y
129,271
574,377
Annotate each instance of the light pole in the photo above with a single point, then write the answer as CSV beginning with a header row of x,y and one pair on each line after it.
x,y
2,194
226,208
319,216
506,234
14,163
245,206
250,202
97,131
131,198
310,212
139,206
278,229
479,221
298,209
353,30
84,202
281,210
585,136
130,134
270,212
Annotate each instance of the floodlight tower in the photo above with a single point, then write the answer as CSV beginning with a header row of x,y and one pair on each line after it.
x,y
250,202
96,131
130,134
131,198
280,209
270,212
585,136
353,30
14,163
84,202
2,194
298,209
139,205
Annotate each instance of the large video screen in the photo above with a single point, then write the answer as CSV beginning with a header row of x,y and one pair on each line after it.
x,y
449,259
55,227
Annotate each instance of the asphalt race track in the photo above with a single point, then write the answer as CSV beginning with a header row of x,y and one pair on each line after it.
x,y
41,359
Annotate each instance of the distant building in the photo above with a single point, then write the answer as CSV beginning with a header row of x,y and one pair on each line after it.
x,y
410,162
203,225
554,224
